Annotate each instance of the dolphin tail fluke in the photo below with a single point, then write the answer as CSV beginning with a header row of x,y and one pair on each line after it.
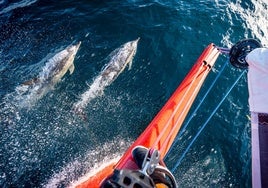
x,y
79,111
32,81
83,116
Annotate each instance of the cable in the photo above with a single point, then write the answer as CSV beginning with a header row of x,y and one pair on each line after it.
x,y
202,100
204,125
200,103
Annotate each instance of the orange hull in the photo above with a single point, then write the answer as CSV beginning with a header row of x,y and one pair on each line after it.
x,y
163,129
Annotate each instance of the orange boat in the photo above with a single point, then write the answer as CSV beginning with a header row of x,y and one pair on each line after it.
x,y
161,132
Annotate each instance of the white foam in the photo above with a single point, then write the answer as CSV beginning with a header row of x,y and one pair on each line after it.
x,y
255,19
97,168
91,163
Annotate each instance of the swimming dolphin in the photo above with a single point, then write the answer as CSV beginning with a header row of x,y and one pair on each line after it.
x,y
52,72
119,59
58,65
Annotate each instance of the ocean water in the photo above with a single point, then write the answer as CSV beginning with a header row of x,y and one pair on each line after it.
x,y
46,145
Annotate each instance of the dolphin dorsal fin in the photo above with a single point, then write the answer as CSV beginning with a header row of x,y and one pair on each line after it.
x,y
71,69
129,65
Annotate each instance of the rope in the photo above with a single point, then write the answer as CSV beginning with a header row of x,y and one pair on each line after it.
x,y
204,125
224,50
198,106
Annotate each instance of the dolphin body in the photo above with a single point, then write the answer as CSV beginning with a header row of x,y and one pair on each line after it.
x,y
52,72
119,59
58,65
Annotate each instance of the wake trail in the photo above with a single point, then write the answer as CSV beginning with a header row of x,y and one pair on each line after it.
x,y
118,60
96,89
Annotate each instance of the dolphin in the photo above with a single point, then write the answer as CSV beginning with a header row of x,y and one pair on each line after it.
x,y
118,60
55,68
59,64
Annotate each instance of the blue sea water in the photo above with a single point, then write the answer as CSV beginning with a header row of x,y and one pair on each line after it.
x,y
48,146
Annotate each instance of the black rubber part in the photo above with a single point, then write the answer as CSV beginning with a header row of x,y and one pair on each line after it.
x,y
240,50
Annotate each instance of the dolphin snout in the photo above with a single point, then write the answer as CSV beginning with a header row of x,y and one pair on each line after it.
x,y
78,44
